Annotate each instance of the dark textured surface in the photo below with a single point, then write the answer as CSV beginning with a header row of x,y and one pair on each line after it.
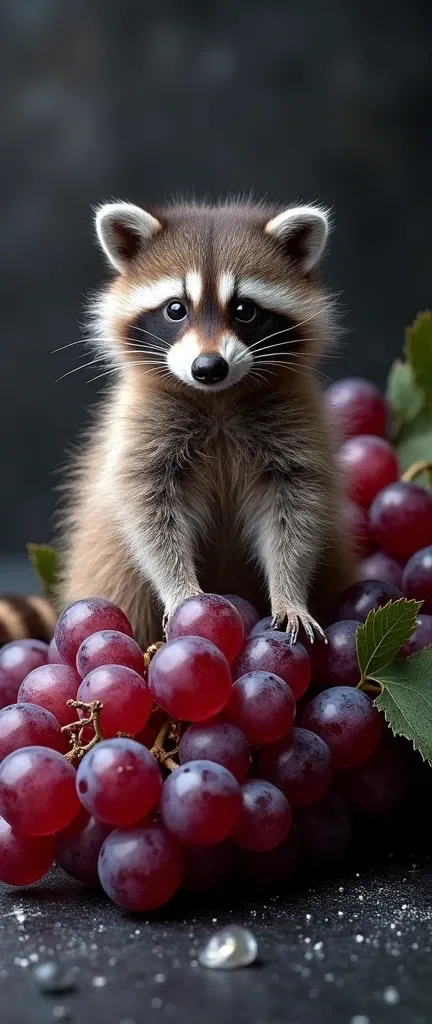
x,y
327,101
353,950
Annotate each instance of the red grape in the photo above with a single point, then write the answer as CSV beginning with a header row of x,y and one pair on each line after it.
x,y
300,766
380,566
358,526
335,662
421,638
140,868
217,741
200,803
378,785
190,678
265,870
368,464
246,610
17,659
262,705
266,653
77,847
325,831
355,406
401,519
53,654
109,647
23,859
207,866
81,619
37,790
347,721
126,699
51,686
360,598
27,725
119,781
262,626
213,618
265,817
417,578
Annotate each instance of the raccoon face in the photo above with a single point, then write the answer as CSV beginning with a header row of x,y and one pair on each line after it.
x,y
210,296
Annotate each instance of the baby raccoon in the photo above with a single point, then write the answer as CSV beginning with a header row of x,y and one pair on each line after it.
x,y
210,466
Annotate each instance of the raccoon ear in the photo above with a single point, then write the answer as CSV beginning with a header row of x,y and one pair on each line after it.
x,y
121,229
303,232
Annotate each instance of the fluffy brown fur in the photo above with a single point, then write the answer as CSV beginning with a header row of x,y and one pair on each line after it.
x,y
181,488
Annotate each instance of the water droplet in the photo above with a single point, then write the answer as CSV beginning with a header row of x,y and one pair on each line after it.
x,y
229,947
99,981
391,995
55,977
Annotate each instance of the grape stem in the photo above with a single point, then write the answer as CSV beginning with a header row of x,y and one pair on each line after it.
x,y
75,729
150,652
169,730
367,687
422,466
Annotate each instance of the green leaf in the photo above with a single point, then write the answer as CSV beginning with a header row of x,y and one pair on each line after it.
x,y
382,635
46,563
415,443
418,351
406,699
403,394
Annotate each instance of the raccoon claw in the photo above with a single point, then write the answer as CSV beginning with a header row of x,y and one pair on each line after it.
x,y
291,621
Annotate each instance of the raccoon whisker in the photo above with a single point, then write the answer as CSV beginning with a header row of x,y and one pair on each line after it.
x,y
274,344
121,366
152,335
286,363
285,330
76,368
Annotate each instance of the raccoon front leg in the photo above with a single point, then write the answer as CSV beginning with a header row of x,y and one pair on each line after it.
x,y
160,531
288,529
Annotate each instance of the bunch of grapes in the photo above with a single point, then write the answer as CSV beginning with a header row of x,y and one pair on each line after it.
x,y
225,753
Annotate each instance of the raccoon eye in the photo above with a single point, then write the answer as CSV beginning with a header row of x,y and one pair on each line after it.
x,y
175,310
245,311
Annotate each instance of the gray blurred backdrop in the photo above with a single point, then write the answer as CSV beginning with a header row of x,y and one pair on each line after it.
x,y
140,100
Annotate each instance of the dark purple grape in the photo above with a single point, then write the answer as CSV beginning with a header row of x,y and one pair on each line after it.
x,y
417,578
262,626
119,782
78,847
140,868
27,725
347,721
17,659
200,803
300,765
421,638
357,524
81,619
220,741
380,566
401,519
267,654
109,647
355,406
265,817
358,600
247,611
262,705
325,831
376,787
367,463
335,663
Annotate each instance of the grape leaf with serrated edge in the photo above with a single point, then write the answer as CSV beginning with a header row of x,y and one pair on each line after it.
x,y
46,563
406,699
386,629
418,351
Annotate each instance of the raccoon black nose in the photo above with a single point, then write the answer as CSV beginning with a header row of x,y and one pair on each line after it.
x,y
209,369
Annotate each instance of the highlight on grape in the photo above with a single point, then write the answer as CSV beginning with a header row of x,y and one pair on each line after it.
x,y
226,755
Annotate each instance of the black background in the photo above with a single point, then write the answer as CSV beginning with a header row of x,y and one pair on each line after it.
x,y
139,100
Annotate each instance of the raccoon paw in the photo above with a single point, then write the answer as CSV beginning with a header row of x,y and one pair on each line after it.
x,y
170,609
291,620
